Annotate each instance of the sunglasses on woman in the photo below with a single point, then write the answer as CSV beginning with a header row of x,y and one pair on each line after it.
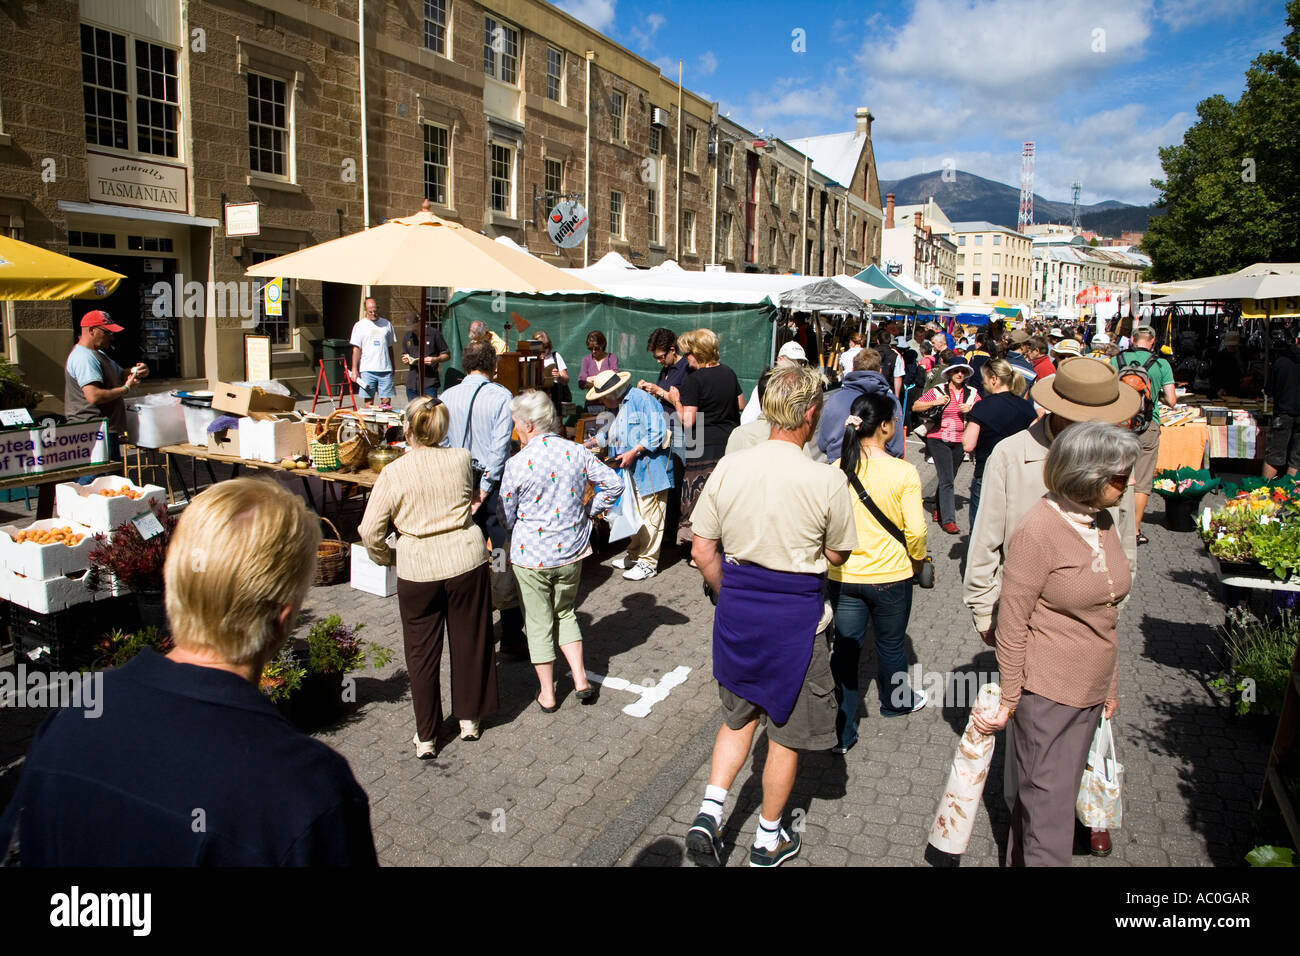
x,y
1119,482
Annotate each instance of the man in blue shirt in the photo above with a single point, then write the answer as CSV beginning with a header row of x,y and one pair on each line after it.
x,y
94,385
186,763
480,422
638,436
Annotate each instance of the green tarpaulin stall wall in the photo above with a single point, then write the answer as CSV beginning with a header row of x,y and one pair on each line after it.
x,y
744,331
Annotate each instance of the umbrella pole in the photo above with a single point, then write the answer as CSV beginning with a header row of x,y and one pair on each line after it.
x,y
420,343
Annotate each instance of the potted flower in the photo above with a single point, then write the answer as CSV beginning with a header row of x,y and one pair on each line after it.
x,y
306,680
1183,489
116,648
127,560
1257,661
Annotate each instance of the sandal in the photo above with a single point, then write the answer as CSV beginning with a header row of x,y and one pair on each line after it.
x,y
1142,539
587,694
545,709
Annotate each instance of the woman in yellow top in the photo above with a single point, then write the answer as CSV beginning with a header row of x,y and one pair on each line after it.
x,y
875,585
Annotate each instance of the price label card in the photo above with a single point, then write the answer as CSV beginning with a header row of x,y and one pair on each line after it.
x,y
15,416
148,525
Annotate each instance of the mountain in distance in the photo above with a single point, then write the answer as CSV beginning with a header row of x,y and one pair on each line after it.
x,y
973,198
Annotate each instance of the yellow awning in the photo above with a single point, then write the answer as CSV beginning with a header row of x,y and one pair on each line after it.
x,y
31,273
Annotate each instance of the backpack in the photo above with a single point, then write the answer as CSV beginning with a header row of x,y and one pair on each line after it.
x,y
1137,377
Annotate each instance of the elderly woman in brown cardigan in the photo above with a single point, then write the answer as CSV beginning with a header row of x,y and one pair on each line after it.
x,y
442,574
1057,642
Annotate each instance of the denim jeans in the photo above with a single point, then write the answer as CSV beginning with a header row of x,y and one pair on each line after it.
x,y
429,389
975,484
888,607
947,457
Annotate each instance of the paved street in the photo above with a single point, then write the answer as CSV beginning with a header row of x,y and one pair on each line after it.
x,y
591,785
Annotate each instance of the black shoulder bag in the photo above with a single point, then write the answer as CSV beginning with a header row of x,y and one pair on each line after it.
x,y
467,439
924,576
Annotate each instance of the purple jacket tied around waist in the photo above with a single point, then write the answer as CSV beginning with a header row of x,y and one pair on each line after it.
x,y
763,634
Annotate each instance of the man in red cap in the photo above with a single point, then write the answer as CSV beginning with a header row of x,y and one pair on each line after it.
x,y
93,384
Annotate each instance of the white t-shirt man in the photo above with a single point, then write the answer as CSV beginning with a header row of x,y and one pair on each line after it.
x,y
376,340
846,360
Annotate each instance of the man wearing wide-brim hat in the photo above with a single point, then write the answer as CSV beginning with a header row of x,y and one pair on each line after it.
x,y
1013,482
1066,349
638,436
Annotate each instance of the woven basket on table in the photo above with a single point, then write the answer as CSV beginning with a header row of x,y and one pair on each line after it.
x,y
355,452
331,558
324,455
321,430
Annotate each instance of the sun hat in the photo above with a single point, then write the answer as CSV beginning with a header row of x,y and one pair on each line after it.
x,y
1087,392
1067,347
1055,333
1019,337
792,350
607,383
958,367
1101,338
99,320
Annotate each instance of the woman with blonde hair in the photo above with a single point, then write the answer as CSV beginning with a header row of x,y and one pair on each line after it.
x,y
442,574
709,406
1004,411
542,492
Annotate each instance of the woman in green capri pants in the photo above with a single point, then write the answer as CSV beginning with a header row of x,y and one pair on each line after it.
x,y
542,492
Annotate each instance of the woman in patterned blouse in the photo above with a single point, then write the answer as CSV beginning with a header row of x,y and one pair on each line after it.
x,y
542,491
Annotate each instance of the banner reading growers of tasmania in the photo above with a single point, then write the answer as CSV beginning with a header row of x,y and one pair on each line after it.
x,y
39,451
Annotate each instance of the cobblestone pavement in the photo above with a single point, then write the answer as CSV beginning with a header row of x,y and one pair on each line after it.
x,y
593,785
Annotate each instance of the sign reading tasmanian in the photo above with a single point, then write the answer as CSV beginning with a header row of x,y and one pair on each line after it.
x,y
137,182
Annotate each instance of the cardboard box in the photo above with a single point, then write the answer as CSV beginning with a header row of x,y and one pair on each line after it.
x,y
225,442
101,514
370,577
250,402
44,561
152,426
272,439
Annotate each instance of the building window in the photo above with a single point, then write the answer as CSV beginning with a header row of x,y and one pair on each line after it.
x,y
107,94
503,178
771,246
500,51
724,236
961,240
616,214
727,178
617,111
278,327
794,253
268,125
978,258
554,74
993,284
961,283
979,240
961,259
688,230
794,194
997,240
656,141
997,259
435,26
437,165
688,146
653,202
554,184
92,240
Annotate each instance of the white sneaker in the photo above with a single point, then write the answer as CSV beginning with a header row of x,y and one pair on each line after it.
x,y
424,749
622,562
641,571
470,730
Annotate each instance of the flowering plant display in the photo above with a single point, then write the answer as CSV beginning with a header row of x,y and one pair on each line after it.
x,y
1184,483
1261,525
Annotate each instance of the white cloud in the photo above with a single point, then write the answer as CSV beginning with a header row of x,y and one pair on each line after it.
x,y
707,64
1181,14
597,14
644,35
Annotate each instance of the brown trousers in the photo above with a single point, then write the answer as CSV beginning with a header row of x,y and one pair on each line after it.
x,y
1050,744
464,605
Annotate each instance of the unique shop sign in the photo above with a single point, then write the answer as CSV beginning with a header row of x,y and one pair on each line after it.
x,y
137,182
568,223
39,451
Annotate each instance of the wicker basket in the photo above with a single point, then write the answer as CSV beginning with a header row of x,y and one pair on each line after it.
x,y
355,452
321,431
331,558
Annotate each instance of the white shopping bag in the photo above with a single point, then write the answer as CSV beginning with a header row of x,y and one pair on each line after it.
x,y
1099,803
625,516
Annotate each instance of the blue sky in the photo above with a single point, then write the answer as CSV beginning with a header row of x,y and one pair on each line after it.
x,y
1099,85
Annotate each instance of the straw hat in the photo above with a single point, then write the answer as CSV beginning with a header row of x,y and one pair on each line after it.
x,y
1087,392
1067,347
608,383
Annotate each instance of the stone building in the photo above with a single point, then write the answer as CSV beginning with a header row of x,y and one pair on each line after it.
x,y
128,128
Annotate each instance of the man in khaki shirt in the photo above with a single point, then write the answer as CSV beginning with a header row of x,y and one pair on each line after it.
x,y
780,520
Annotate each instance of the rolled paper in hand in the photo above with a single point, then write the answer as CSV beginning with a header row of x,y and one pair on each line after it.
x,y
955,818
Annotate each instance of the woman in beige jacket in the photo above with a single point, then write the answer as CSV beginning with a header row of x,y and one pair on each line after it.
x,y
442,574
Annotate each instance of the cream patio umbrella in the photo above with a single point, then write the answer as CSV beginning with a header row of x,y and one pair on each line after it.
x,y
422,250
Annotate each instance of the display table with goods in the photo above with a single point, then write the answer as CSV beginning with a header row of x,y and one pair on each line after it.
x,y
1184,436
1254,537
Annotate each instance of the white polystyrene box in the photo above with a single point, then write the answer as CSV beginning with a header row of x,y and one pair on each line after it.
x,y
46,597
44,561
153,426
101,514
370,577
272,439
197,421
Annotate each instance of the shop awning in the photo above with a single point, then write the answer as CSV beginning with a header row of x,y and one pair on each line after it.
x,y
30,273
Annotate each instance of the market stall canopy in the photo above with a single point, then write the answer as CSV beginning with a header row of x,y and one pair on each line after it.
x,y
1271,285
872,275
1187,285
422,250
923,296
824,295
662,284
30,273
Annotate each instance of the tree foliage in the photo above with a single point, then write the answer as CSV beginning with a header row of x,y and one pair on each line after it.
x,y
1231,191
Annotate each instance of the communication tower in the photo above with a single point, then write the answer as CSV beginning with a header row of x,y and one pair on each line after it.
x,y
1026,217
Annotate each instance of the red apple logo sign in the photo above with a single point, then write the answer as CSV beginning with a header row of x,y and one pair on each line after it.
x,y
568,224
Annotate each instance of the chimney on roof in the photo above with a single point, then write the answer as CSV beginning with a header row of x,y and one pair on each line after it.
x,y
916,219
864,118
889,210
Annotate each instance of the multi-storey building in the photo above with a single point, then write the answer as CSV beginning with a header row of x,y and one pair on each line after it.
x,y
993,262
916,243
127,127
